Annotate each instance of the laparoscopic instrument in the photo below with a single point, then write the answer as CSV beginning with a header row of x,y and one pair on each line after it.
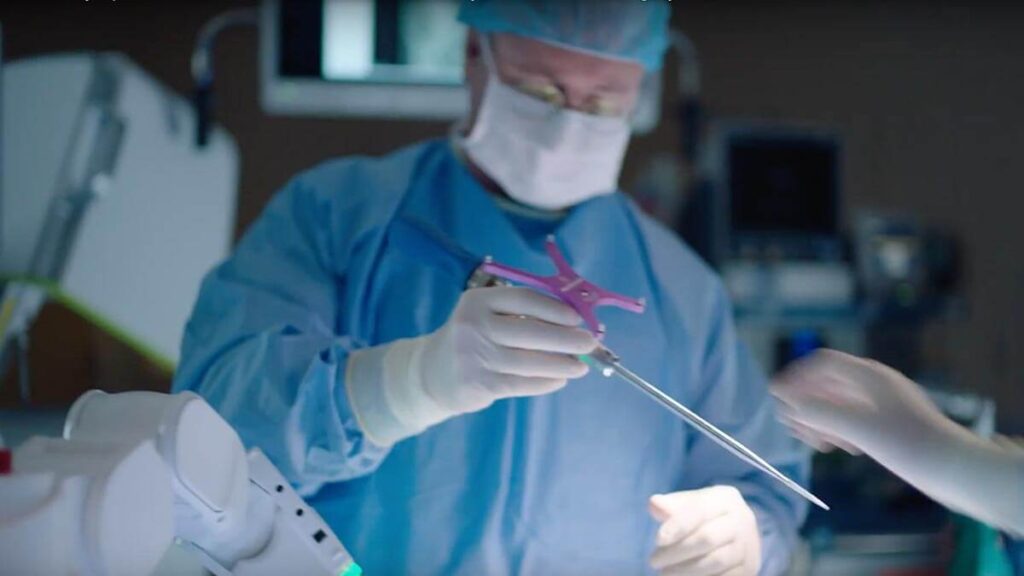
x,y
427,244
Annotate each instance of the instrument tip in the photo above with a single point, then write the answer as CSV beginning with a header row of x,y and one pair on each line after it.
x,y
807,494
817,502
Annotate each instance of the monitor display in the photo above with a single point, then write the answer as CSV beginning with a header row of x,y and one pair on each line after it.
x,y
2,161
395,59
372,41
783,185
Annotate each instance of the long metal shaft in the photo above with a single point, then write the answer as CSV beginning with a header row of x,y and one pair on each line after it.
x,y
610,364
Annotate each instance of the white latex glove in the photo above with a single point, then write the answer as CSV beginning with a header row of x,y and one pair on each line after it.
x,y
834,399
706,532
498,343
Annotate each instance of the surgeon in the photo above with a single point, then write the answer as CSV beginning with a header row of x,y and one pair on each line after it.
x,y
834,400
441,430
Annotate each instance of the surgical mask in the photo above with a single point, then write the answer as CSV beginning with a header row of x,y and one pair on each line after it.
x,y
543,155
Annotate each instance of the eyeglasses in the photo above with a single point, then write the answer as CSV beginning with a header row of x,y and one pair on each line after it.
x,y
597,105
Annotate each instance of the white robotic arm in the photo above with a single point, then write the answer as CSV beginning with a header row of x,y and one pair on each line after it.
x,y
233,508
89,508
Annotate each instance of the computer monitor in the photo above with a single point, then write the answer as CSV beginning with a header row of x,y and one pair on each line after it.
x,y
1,133
376,58
778,191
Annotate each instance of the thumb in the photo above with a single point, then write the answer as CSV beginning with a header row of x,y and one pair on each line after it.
x,y
682,512
677,519
660,507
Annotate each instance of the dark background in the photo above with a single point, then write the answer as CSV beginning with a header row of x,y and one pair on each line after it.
x,y
928,96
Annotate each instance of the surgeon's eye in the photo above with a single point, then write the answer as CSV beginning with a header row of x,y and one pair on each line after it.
x,y
597,105
544,92
605,106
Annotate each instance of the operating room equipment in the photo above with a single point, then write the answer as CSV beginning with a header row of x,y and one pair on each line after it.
x,y
905,265
691,112
766,190
778,188
138,469
87,508
1,147
584,297
385,59
108,207
202,67
790,285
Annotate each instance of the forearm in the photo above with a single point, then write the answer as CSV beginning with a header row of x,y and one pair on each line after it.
x,y
962,471
285,394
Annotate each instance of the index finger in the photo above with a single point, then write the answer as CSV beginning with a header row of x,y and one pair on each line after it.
x,y
519,301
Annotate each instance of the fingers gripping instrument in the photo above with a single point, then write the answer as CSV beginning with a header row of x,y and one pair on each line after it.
x,y
423,241
568,286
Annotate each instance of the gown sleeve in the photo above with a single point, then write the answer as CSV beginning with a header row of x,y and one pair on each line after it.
x,y
263,349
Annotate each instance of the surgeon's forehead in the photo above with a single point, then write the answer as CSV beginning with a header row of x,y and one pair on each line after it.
x,y
522,57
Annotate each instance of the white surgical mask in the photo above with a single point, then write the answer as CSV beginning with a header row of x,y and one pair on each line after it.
x,y
543,155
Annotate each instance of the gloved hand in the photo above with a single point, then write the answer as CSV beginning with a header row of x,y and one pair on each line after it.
x,y
834,399
706,532
499,342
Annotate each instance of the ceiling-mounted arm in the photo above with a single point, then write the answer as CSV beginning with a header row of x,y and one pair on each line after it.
x,y
688,89
202,64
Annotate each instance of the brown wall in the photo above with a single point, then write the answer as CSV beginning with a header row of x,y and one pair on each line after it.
x,y
927,95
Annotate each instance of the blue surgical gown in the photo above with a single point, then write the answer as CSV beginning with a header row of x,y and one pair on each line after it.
x,y
1015,552
556,484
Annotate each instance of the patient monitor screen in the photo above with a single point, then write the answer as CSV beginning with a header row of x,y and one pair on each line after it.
x,y
373,41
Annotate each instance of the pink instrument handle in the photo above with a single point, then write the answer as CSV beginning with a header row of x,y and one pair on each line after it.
x,y
568,286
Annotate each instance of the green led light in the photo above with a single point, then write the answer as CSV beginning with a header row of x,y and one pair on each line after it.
x,y
352,569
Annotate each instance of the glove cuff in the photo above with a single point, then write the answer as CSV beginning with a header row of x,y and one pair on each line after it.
x,y
386,391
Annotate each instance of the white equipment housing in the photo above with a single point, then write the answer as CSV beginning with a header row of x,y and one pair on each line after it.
x,y
107,205
136,470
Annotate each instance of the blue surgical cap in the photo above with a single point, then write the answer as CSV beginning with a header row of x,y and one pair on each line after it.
x,y
634,30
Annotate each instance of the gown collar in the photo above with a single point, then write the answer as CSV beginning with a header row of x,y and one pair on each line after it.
x,y
472,217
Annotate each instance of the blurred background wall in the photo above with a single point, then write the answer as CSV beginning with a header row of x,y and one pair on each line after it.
x,y
927,96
